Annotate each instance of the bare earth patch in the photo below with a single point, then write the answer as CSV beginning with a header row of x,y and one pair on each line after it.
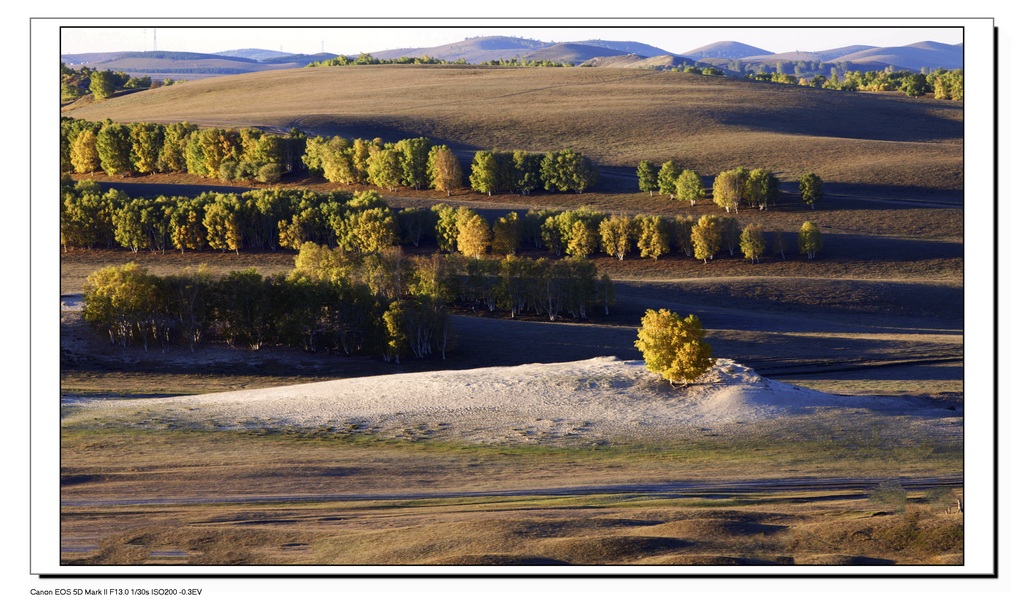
x,y
594,401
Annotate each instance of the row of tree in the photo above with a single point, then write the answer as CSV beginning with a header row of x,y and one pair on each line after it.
x,y
260,219
336,301
582,232
941,83
416,163
523,172
413,162
246,309
756,188
265,219
75,83
366,59
144,148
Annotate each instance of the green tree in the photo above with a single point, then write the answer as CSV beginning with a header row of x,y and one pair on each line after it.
x,y
207,149
415,153
526,171
667,176
147,140
172,153
223,226
102,84
689,187
384,168
114,147
567,170
673,346
810,189
396,338
752,242
333,158
387,273
949,85
914,85
320,263
809,239
647,177
483,176
762,188
447,229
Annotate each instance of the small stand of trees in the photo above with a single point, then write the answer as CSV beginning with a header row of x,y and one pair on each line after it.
x,y
75,83
146,148
523,172
362,222
262,219
337,301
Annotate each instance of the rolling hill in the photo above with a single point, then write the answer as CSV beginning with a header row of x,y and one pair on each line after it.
x,y
724,55
627,47
570,52
911,57
861,57
615,116
729,49
473,50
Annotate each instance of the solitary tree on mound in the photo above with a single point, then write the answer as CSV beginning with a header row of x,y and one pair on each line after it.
x,y
674,347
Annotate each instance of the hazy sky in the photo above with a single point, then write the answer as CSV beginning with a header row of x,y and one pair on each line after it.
x,y
138,36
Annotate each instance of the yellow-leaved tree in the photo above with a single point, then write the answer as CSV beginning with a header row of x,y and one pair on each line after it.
x,y
673,346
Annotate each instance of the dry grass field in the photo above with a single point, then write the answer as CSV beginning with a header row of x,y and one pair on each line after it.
x,y
884,145
879,312
164,499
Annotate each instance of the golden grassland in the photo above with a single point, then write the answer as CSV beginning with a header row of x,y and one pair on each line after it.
x,y
884,300
472,523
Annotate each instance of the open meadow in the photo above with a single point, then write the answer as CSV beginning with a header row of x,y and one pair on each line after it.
x,y
829,433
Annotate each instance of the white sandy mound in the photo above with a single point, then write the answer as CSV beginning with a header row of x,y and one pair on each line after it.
x,y
590,400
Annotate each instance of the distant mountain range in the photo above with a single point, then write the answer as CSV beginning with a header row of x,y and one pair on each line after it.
x,y
731,56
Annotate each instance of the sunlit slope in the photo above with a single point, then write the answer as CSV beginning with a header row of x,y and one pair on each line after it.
x,y
615,116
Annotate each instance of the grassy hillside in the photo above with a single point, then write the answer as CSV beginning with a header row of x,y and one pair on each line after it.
x,y
886,144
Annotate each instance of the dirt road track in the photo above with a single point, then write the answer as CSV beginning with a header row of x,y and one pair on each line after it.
x,y
856,488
